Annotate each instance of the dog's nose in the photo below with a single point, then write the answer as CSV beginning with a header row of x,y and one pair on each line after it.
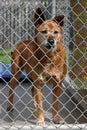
x,y
51,41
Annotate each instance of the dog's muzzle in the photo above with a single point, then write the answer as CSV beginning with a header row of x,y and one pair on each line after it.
x,y
50,43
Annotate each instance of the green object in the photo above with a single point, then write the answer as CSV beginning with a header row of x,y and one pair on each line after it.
x,y
5,55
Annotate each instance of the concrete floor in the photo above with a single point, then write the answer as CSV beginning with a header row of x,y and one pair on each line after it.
x,y
24,109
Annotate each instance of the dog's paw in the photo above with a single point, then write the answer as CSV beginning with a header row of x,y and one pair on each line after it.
x,y
57,119
40,121
10,108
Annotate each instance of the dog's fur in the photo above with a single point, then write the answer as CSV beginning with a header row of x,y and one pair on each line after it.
x,y
44,61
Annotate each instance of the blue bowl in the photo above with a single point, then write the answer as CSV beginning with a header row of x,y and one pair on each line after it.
x,y
5,71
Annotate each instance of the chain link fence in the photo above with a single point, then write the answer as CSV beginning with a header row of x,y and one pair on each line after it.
x,y
16,24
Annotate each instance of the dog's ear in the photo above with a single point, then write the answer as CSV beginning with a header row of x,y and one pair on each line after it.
x,y
59,20
38,17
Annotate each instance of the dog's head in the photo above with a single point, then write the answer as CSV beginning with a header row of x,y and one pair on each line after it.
x,y
48,33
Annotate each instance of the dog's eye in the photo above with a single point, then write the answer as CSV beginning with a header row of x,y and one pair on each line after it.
x,y
44,31
55,32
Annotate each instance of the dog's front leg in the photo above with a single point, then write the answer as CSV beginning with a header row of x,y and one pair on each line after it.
x,y
56,93
39,105
11,94
13,82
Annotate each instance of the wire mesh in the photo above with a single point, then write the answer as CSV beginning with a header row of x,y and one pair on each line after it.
x,y
16,25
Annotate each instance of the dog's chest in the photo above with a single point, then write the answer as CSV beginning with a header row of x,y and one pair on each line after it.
x,y
50,70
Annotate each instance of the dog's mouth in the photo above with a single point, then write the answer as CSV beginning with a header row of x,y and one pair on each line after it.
x,y
49,46
50,43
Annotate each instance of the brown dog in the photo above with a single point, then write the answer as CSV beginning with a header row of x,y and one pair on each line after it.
x,y
44,61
